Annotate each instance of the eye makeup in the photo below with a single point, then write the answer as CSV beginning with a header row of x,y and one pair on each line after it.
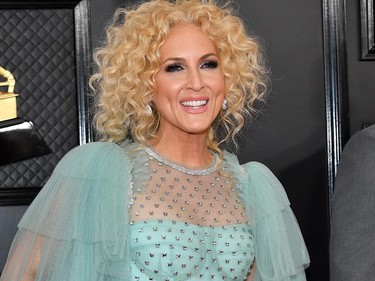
x,y
210,64
174,67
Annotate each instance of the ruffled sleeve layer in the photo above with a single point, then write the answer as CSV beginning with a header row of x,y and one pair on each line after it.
x,y
74,229
281,253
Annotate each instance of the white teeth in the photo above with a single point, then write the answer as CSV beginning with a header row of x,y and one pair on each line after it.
x,y
195,103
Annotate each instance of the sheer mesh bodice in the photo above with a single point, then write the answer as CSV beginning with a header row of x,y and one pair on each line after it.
x,y
188,224
201,197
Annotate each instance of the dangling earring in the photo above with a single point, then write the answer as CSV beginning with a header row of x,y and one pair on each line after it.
x,y
148,109
224,105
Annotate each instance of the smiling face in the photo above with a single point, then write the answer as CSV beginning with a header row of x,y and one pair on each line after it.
x,y
190,82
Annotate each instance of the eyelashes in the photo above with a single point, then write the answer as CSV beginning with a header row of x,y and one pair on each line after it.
x,y
175,67
210,64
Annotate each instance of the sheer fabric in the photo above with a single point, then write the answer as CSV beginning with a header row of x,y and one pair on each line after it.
x,y
84,222
188,224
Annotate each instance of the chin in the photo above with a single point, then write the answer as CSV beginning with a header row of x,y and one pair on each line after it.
x,y
198,131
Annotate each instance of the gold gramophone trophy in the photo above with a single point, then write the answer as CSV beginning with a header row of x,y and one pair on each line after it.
x,y
8,102
19,139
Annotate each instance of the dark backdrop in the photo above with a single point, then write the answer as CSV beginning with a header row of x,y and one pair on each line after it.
x,y
361,74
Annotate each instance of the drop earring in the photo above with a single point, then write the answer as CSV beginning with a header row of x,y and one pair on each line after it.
x,y
149,109
224,105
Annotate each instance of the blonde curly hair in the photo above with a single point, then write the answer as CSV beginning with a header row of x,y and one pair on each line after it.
x,y
130,59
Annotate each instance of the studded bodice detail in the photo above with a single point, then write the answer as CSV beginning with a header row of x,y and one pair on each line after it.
x,y
172,250
188,224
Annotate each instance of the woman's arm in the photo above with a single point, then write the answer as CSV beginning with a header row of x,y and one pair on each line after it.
x,y
252,272
17,267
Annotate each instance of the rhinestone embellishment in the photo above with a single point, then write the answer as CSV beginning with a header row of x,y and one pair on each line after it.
x,y
199,172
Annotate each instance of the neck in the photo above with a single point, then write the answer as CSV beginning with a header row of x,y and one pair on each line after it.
x,y
189,150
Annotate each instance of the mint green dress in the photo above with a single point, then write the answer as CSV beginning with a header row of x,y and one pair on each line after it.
x,y
111,213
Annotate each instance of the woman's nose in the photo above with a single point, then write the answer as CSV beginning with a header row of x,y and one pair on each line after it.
x,y
195,80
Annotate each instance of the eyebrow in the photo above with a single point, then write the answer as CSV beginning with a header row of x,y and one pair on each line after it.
x,y
182,59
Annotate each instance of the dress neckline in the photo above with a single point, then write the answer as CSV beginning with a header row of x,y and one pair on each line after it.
x,y
195,172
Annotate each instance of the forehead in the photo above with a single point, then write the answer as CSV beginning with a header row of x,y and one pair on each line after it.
x,y
186,38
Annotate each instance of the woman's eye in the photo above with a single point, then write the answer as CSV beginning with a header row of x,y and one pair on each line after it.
x,y
210,64
173,68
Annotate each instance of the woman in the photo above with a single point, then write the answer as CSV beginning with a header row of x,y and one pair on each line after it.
x,y
158,199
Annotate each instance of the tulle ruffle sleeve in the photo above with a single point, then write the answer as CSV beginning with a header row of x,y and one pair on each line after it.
x,y
281,254
76,227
